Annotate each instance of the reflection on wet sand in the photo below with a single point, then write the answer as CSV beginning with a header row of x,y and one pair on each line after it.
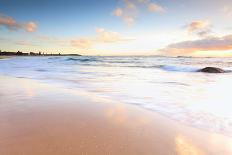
x,y
29,91
118,115
185,147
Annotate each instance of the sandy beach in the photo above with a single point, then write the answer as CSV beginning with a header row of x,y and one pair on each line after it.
x,y
43,119
115,77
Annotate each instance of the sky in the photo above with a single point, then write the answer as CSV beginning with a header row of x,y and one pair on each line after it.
x,y
118,27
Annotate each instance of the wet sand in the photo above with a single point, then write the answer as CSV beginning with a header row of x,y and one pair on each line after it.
x,y
43,119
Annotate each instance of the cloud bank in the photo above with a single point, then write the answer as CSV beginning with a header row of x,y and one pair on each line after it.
x,y
12,24
207,44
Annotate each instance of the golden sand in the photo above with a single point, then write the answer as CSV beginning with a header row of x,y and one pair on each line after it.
x,y
41,119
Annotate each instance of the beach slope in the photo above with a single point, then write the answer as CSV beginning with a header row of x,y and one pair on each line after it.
x,y
43,119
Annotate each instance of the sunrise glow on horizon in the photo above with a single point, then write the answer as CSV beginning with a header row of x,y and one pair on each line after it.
x,y
118,27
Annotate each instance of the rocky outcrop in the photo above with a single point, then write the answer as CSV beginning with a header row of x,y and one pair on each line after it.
x,y
212,70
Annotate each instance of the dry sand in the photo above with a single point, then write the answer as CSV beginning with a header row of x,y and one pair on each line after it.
x,y
43,119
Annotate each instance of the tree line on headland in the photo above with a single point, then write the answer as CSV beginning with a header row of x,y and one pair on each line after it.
x,y
19,53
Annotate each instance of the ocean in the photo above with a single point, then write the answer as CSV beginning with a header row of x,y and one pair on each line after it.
x,y
169,86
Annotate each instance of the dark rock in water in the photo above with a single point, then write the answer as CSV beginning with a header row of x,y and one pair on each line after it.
x,y
211,70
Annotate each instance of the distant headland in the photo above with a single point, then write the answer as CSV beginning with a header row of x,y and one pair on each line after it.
x,y
19,53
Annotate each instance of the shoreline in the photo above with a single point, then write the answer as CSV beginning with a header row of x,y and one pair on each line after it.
x,y
37,118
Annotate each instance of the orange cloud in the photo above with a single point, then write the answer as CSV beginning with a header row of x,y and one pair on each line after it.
x,y
82,43
108,36
102,36
129,12
201,27
118,12
196,25
12,24
207,44
153,7
9,22
30,26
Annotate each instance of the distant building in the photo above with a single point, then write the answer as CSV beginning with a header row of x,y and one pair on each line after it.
x,y
32,53
19,53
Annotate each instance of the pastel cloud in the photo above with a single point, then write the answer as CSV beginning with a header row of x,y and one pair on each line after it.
x,y
30,26
200,27
118,12
211,44
153,7
227,10
130,9
102,36
11,24
82,43
108,36
127,13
